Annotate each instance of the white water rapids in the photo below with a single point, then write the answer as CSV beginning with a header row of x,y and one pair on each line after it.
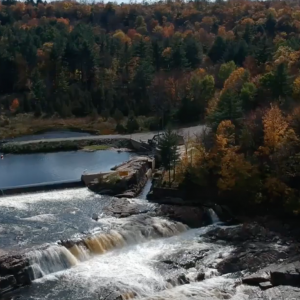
x,y
122,256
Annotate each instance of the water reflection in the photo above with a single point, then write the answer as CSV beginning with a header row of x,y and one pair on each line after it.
x,y
16,170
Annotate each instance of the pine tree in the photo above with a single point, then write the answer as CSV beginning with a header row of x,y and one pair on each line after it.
x,y
168,150
217,50
228,108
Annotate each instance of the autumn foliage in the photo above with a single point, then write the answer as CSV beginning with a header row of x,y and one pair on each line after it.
x,y
14,105
258,176
233,65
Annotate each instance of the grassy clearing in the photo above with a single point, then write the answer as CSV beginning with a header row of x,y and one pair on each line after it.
x,y
96,147
27,124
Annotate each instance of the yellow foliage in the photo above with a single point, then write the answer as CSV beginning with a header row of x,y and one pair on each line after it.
x,y
275,129
234,170
225,136
296,87
212,104
247,21
235,80
167,52
207,20
276,188
222,31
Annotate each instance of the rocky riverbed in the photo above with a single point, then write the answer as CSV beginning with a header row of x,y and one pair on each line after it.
x,y
142,250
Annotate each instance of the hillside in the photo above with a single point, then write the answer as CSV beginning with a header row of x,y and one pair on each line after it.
x,y
165,58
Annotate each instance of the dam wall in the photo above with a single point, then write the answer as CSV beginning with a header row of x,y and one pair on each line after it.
x,y
48,186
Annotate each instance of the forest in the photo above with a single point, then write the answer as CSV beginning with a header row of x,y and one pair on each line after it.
x,y
233,65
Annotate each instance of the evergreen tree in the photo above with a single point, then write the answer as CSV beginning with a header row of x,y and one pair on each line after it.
x,y
217,51
168,150
228,108
194,51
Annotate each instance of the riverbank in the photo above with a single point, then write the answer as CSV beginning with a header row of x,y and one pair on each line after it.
x,y
65,145
27,124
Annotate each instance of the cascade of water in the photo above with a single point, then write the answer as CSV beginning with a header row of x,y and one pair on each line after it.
x,y
80,252
58,258
214,217
50,260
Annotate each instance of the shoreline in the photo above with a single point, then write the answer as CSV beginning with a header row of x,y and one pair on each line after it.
x,y
65,145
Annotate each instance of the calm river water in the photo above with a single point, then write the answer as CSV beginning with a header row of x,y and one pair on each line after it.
x,y
16,170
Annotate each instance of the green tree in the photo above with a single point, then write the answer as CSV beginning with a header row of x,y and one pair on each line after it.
x,y
194,51
38,92
226,69
217,50
228,108
247,95
132,124
277,82
118,115
168,150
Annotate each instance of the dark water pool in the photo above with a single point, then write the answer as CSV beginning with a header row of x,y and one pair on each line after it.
x,y
16,170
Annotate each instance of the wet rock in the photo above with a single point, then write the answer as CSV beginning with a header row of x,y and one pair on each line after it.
x,y
182,279
7,283
257,278
265,285
200,276
10,265
122,208
241,233
286,274
244,258
126,296
95,217
192,216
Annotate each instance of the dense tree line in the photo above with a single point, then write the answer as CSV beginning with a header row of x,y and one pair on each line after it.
x,y
233,64
171,60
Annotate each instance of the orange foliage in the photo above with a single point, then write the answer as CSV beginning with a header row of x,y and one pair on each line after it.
x,y
275,129
14,105
131,33
168,30
63,21
235,80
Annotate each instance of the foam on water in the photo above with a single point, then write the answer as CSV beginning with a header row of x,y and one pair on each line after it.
x,y
24,201
41,218
133,269
213,289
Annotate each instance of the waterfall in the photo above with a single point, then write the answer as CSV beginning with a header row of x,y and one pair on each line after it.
x,y
50,260
213,216
57,258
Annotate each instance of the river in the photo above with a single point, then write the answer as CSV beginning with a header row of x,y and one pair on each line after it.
x,y
73,257
130,262
17,170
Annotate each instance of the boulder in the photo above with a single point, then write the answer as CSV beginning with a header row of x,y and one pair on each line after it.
x,y
286,274
256,278
189,215
251,258
241,233
200,276
11,265
95,217
265,285
7,284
